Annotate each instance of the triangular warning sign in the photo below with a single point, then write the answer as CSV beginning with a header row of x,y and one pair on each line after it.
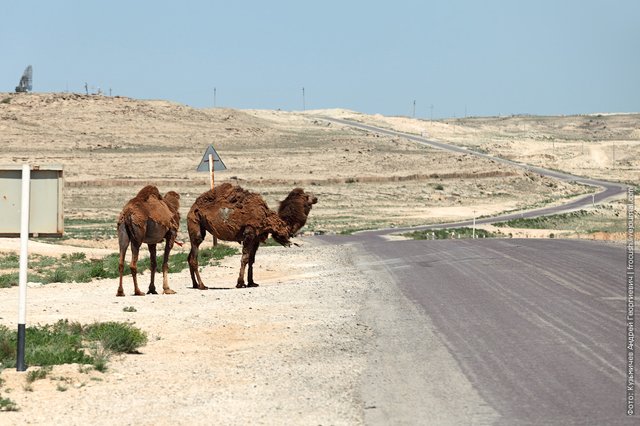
x,y
218,165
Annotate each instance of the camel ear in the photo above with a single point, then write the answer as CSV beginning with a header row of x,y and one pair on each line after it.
x,y
312,199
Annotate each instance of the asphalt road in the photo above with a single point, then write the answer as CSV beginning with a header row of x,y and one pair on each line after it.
x,y
537,327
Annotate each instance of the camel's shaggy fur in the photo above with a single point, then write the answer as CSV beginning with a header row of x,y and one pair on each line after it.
x,y
231,213
148,218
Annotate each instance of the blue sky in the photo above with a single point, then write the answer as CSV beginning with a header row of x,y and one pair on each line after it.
x,y
486,57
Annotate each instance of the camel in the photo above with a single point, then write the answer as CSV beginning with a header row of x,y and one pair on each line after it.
x,y
148,218
231,213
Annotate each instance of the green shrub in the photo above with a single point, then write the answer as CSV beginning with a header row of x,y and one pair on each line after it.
x,y
116,337
9,280
38,374
445,234
66,342
8,405
9,261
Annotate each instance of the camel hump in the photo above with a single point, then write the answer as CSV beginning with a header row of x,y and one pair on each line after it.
x,y
224,193
149,191
148,204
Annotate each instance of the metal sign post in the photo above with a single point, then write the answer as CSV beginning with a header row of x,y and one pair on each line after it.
x,y
24,258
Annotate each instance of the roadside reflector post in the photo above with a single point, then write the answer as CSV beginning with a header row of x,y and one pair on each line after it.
x,y
473,231
24,258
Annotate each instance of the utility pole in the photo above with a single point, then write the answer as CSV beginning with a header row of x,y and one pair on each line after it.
x,y
304,103
414,108
214,97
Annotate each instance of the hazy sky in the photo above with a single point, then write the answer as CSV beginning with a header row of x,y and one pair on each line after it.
x,y
487,57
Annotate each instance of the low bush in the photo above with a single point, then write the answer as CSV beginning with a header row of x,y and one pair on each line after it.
x,y
69,342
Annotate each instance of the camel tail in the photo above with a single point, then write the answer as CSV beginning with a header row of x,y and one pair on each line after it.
x,y
125,230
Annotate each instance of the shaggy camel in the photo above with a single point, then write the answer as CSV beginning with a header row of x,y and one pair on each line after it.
x,y
231,213
148,218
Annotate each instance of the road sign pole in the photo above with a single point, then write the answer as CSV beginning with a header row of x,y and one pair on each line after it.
x,y
24,257
211,169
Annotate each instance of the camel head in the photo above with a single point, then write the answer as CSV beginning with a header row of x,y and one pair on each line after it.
x,y
172,199
295,209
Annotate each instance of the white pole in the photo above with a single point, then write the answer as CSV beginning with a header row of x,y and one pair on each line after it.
x,y
473,234
24,258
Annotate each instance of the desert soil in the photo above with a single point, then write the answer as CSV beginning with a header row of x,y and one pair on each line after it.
x,y
291,351
302,348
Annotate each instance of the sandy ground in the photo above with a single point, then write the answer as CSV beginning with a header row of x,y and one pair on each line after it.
x,y
291,351
300,348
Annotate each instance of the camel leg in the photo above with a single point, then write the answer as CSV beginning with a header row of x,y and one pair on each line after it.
x,y
196,280
252,259
123,242
165,266
154,266
135,250
248,246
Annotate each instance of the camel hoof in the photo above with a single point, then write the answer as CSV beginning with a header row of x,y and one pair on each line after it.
x,y
204,287
253,285
152,291
120,294
168,291
240,285
139,293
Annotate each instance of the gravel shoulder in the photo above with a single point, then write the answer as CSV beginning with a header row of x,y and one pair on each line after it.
x,y
291,351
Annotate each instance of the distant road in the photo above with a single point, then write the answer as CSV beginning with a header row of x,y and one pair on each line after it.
x,y
609,189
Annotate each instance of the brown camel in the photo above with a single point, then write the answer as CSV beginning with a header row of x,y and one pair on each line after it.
x,y
231,213
148,218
